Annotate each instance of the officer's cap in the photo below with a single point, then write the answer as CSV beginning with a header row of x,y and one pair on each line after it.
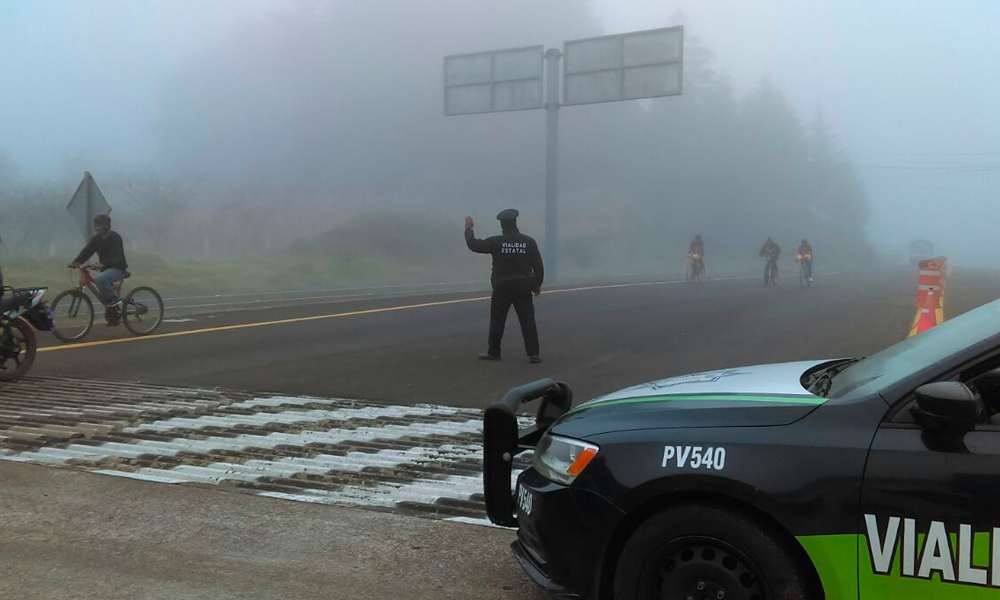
x,y
508,215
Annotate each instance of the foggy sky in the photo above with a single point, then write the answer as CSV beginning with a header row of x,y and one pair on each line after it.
x,y
910,90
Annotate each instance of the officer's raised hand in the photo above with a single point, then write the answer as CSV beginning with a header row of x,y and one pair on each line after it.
x,y
468,222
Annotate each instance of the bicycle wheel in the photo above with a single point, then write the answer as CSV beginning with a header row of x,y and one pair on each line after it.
x,y
690,271
73,315
17,349
142,311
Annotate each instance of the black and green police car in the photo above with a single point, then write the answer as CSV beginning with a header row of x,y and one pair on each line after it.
x,y
871,478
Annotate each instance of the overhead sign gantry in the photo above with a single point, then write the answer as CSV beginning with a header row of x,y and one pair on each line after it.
x,y
610,68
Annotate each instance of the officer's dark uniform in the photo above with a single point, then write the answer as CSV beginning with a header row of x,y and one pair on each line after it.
x,y
517,272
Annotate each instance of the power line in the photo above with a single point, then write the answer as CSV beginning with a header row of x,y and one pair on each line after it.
x,y
956,169
927,153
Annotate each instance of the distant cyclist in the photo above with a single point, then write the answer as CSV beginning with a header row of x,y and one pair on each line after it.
x,y
696,253
110,251
805,257
771,251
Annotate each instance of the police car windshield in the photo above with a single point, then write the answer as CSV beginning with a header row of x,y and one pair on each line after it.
x,y
914,354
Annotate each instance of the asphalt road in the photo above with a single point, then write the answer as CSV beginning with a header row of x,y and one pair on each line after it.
x,y
65,533
968,288
407,349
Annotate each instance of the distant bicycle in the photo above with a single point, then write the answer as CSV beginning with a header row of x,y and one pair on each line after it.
x,y
696,267
73,310
771,272
805,269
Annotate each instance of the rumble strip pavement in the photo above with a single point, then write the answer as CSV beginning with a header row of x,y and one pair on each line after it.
x,y
65,533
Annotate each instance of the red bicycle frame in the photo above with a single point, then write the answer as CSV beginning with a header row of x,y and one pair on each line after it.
x,y
86,281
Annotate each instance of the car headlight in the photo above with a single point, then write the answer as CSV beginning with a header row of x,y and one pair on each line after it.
x,y
561,459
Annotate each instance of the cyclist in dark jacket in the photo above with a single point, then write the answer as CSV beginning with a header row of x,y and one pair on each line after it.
x,y
517,275
805,256
696,252
110,249
771,252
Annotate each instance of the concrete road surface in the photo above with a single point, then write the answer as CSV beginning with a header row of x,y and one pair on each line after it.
x,y
66,534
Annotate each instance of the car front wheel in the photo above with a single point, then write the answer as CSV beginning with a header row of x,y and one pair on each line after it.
x,y
708,553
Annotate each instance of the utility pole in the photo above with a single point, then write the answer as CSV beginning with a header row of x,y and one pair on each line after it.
x,y
552,104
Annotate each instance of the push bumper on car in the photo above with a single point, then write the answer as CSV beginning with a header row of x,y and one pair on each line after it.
x,y
502,441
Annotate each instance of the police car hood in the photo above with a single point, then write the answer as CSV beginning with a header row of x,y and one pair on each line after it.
x,y
758,396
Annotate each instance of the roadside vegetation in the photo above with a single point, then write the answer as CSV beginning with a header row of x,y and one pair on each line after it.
x,y
371,250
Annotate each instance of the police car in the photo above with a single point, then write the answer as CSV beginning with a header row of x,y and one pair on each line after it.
x,y
871,478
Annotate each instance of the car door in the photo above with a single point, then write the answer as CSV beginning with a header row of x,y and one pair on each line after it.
x,y
930,509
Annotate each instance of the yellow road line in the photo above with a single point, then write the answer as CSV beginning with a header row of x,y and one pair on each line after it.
x,y
370,311
259,324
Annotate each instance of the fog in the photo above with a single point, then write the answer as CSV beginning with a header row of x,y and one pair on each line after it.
x,y
262,127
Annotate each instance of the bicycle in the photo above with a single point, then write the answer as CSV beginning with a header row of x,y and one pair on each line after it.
x,y
696,268
73,311
771,272
805,270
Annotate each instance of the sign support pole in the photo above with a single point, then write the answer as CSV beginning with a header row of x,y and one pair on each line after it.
x,y
551,258
90,202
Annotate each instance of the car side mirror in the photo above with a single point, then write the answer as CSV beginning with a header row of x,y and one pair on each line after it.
x,y
947,406
988,378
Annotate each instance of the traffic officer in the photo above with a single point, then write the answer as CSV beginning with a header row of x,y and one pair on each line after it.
x,y
517,274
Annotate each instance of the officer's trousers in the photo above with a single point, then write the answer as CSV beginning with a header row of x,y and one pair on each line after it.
x,y
518,294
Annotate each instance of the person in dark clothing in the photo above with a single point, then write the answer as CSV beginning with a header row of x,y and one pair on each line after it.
x,y
696,252
517,274
771,251
805,256
110,251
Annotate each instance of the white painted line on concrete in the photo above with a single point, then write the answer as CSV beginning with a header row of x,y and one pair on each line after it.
x,y
139,476
471,521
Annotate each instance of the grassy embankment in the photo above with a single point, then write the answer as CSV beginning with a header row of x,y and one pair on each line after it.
x,y
371,250
285,271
